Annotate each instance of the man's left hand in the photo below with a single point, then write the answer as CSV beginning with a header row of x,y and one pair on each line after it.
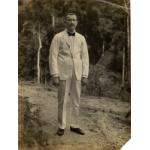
x,y
84,81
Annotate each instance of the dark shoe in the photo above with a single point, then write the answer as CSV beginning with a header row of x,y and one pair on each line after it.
x,y
60,132
77,130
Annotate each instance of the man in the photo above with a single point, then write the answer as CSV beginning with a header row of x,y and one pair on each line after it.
x,y
69,67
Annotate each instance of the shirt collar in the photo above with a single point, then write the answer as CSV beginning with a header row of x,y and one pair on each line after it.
x,y
70,34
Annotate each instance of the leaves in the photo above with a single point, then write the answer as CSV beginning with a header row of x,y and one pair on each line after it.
x,y
100,23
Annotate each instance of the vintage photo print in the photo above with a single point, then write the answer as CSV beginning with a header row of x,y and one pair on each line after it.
x,y
74,67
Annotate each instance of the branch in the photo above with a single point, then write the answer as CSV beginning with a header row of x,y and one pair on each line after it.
x,y
125,9
39,37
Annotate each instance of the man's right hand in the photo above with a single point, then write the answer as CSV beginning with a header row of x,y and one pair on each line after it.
x,y
56,81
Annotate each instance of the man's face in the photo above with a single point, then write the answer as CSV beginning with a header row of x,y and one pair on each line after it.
x,y
71,22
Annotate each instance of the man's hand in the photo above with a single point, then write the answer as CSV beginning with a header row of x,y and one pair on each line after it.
x,y
84,81
55,81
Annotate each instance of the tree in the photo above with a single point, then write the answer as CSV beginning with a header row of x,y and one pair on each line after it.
x,y
105,27
125,9
103,23
40,16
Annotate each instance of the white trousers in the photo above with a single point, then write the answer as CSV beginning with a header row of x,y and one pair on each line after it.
x,y
70,88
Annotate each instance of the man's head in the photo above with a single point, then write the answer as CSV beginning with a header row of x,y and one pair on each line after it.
x,y
71,21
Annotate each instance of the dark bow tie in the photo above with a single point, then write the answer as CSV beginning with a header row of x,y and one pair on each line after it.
x,y
71,34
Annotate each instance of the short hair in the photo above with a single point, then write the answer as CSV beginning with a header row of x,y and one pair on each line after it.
x,y
70,13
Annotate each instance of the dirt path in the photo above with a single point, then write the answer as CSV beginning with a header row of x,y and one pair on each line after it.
x,y
102,119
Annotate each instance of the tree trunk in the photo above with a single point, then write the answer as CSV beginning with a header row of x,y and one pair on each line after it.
x,y
128,43
38,56
123,68
128,50
53,21
103,48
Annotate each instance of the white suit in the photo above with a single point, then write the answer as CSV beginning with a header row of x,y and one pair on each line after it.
x,y
69,61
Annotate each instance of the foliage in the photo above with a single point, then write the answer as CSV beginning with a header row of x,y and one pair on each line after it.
x,y
100,23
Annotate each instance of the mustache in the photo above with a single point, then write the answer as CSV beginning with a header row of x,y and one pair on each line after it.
x,y
72,24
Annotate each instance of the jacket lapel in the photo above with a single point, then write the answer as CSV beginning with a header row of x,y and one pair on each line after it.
x,y
65,36
76,40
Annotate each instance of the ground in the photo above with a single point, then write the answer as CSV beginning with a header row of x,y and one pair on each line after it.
x,y
103,119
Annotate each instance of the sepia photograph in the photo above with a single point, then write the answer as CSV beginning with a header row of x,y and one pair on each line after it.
x,y
74,74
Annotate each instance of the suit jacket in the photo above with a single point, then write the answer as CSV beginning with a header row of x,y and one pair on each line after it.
x,y
63,60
